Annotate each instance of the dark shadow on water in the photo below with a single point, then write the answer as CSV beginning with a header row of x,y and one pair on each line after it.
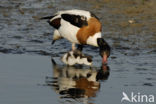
x,y
76,82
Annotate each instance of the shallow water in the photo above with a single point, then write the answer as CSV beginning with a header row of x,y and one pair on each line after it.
x,y
35,79
27,74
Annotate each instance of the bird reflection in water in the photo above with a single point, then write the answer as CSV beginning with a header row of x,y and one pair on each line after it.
x,y
76,82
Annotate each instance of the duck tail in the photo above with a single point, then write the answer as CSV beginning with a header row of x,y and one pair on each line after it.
x,y
47,17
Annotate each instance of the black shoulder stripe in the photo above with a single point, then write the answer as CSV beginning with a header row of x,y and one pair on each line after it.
x,y
75,20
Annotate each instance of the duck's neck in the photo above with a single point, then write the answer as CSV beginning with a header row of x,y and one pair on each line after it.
x,y
92,40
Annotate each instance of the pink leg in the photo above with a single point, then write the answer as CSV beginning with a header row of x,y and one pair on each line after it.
x,y
73,46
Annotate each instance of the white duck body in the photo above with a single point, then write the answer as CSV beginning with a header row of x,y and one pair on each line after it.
x,y
77,26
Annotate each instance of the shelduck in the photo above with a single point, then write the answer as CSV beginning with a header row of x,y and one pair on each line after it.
x,y
79,27
76,57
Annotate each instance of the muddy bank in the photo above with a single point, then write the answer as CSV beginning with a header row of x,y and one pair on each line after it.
x,y
127,24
